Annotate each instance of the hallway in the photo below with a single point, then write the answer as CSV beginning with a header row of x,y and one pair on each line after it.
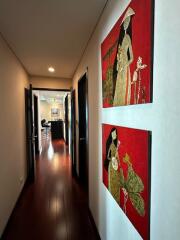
x,y
55,206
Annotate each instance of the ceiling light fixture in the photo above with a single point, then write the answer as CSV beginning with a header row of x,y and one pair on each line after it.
x,y
51,69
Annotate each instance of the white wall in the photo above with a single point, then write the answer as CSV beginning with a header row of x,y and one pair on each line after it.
x,y
53,83
162,118
13,80
45,111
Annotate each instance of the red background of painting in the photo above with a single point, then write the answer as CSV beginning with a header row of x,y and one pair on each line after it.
x,y
141,44
136,143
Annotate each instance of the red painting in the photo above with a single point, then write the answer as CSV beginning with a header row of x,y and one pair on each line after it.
x,y
127,57
126,172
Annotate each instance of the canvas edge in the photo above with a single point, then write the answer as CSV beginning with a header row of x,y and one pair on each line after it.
x,y
152,48
149,179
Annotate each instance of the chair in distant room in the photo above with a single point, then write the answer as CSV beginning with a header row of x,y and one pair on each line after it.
x,y
45,125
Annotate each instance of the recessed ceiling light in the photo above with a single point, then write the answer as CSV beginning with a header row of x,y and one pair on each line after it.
x,y
51,69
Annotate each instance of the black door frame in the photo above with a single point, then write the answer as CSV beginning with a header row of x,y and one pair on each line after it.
x,y
36,123
73,132
66,107
30,140
51,89
85,76
28,105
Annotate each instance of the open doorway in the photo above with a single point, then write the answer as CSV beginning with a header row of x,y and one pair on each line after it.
x,y
48,121
50,116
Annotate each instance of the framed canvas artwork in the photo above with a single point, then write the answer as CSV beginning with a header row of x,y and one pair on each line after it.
x,y
126,172
54,111
127,57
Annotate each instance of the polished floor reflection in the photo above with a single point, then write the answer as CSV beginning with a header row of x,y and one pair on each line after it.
x,y
55,206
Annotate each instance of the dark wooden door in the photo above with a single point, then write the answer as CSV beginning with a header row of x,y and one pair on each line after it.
x,y
36,124
30,135
66,120
73,132
83,131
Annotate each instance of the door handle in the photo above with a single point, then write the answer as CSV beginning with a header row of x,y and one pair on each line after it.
x,y
32,138
82,139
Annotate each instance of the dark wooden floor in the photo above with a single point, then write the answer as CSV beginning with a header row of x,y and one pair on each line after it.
x,y
55,206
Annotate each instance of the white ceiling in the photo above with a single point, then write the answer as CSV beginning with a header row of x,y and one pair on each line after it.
x,y
49,32
49,96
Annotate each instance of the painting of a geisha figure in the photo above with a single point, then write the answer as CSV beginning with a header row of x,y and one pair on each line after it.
x,y
127,54
126,172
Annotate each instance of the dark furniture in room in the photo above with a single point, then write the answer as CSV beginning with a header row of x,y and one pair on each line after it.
x,y
57,129
45,125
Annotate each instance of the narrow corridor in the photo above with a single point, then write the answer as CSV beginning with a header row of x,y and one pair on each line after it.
x,y
55,206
